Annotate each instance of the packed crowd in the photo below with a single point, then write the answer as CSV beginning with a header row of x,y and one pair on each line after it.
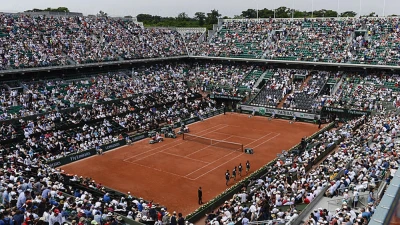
x,y
39,41
304,97
277,87
64,117
39,194
238,39
366,155
319,40
29,41
219,78
364,93
300,93
58,117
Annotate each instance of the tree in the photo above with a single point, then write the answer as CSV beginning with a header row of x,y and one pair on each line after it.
x,y
237,17
249,13
299,14
348,14
265,13
283,12
331,13
183,16
102,14
201,17
372,14
145,18
212,17
48,9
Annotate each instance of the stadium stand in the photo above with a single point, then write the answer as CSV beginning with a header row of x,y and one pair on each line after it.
x,y
46,119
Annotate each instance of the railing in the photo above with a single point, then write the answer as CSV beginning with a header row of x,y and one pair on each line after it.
x,y
299,19
337,203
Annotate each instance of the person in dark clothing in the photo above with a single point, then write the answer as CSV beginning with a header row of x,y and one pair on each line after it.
x,y
234,173
227,177
18,218
7,219
181,221
173,219
240,168
200,195
319,123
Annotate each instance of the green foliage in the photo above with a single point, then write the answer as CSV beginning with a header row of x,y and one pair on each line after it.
x,y
202,19
59,9
348,14
102,14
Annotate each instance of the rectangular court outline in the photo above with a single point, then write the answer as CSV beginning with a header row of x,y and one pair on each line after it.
x,y
163,148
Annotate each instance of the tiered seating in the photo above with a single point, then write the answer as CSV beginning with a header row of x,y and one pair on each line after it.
x,y
279,84
304,98
322,41
251,79
364,93
240,39
318,40
219,78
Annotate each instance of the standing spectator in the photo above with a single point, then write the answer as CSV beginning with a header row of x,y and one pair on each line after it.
x,y
355,198
240,169
173,219
227,177
245,221
181,220
200,195
22,198
6,197
371,198
234,173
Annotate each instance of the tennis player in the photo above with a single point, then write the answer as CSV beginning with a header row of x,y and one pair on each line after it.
x,y
240,169
293,120
234,173
272,116
247,167
253,113
227,177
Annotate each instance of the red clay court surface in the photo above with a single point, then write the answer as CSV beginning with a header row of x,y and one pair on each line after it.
x,y
171,172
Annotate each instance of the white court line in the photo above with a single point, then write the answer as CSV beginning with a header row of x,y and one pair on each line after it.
x,y
206,147
185,157
266,140
232,158
175,141
223,157
236,136
246,128
163,147
160,170
209,164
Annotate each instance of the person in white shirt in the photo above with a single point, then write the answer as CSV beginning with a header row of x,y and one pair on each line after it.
x,y
55,217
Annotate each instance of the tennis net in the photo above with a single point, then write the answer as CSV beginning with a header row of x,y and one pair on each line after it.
x,y
214,142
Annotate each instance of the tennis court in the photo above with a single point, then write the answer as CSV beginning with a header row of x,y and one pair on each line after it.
x,y
170,172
